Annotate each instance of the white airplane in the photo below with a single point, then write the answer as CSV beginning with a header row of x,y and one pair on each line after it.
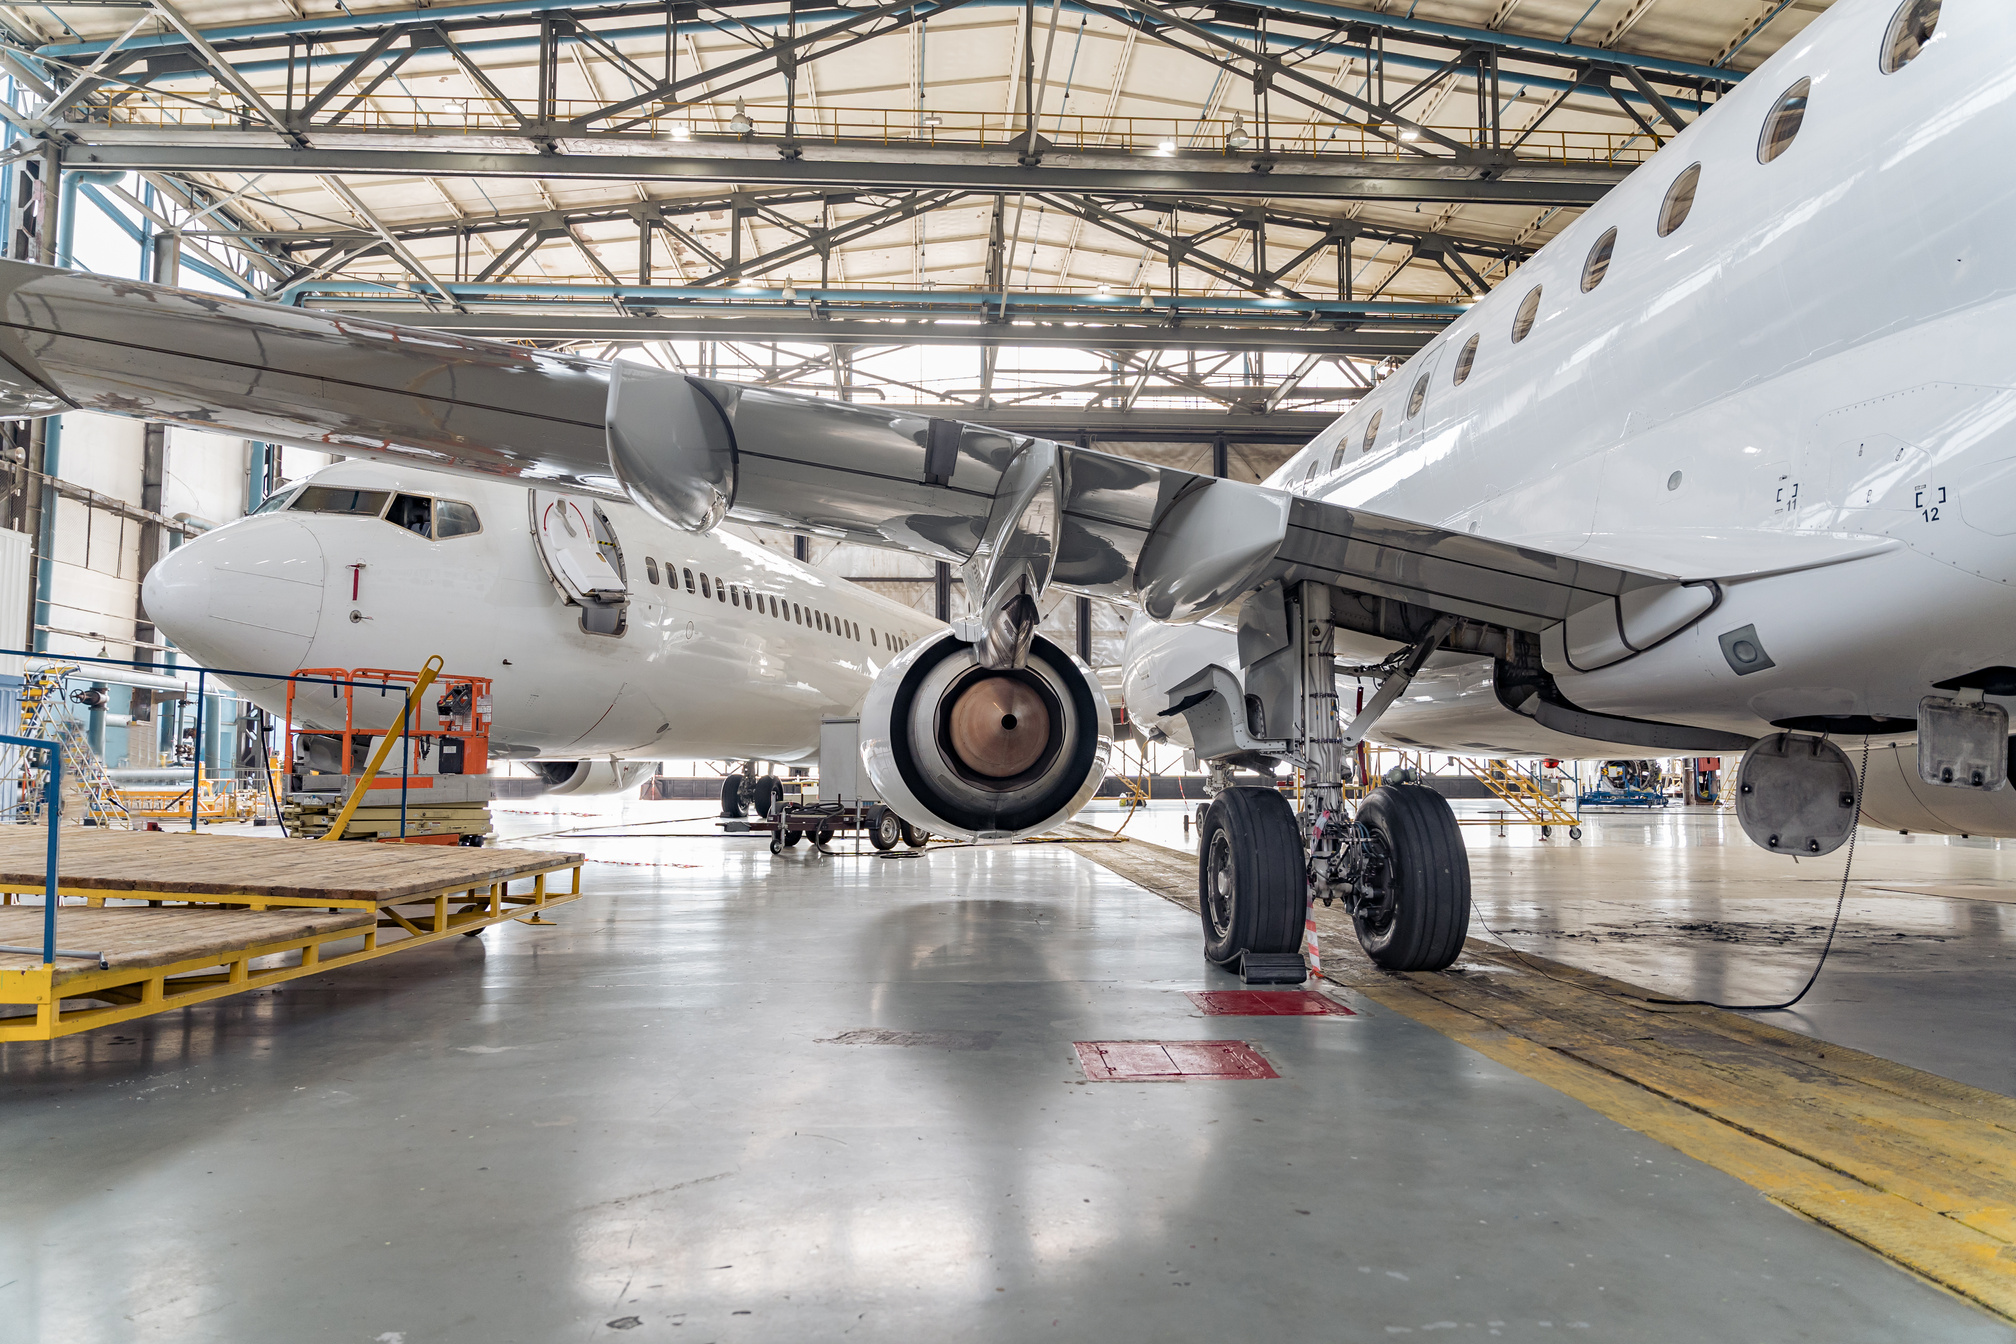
x,y
1730,465
612,640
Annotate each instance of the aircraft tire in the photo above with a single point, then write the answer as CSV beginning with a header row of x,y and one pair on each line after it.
x,y
1423,926
768,790
1252,880
915,836
731,796
885,828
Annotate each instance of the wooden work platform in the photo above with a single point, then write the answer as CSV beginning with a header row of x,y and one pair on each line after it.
x,y
226,914
260,873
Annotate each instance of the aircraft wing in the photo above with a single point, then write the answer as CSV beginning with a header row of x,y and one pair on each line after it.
x,y
693,451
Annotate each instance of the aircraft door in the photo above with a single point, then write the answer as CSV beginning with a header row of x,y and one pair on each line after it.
x,y
584,558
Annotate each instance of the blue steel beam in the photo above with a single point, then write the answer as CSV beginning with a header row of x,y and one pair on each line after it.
x,y
336,25
331,60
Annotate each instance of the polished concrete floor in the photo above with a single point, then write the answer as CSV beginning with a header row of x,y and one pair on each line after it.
x,y
642,1124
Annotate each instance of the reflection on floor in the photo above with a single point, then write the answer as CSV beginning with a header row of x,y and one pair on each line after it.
x,y
790,1098
1679,901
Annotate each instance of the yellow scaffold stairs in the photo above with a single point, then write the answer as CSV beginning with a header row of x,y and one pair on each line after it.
x,y
1519,790
45,713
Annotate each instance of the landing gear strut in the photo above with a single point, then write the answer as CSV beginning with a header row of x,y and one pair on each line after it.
x,y
1397,860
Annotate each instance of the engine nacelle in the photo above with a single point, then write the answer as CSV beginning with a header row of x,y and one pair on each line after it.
x,y
958,749
586,779
1897,799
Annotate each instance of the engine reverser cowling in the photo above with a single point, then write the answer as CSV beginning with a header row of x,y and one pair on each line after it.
x,y
959,749
592,778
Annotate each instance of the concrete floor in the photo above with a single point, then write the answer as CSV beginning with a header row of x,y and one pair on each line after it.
x,y
636,1125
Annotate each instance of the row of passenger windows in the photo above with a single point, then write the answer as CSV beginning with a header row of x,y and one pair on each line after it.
x,y
1911,28
769,604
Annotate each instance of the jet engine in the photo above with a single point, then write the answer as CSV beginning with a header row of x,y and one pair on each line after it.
x,y
1897,799
589,778
959,749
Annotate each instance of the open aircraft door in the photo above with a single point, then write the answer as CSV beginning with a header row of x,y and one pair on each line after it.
x,y
582,554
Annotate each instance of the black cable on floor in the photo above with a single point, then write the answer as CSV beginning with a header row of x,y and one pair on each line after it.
x,y
1825,948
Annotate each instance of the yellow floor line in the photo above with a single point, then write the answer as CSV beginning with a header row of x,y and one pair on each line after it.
x,y
1918,1168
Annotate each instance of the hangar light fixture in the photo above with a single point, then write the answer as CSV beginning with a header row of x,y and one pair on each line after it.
x,y
1166,147
1236,138
740,123
933,119
681,131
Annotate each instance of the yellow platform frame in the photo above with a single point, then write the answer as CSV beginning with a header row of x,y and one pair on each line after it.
x,y
134,992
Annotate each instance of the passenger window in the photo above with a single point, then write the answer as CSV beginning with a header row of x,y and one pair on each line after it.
x,y
734,597
1783,123
1372,429
1529,309
704,590
1679,202
651,570
452,518
689,579
415,513
1910,29
335,499
720,590
1466,357
1598,263
1417,397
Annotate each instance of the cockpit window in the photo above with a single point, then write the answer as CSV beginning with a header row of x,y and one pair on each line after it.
x,y
415,513
1910,29
275,502
453,518
337,499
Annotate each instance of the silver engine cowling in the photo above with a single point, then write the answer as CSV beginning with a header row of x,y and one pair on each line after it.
x,y
1895,798
585,779
958,749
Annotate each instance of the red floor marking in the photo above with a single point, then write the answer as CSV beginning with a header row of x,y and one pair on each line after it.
x,y
1170,1061
1267,1003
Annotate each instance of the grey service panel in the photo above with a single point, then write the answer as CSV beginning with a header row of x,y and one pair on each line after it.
x,y
841,778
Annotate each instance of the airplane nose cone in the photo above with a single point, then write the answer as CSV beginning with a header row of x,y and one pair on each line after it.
x,y
246,596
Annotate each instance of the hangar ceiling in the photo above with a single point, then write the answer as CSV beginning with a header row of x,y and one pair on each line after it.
x,y
1070,209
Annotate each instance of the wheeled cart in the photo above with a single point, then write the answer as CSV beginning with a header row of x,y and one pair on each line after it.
x,y
820,823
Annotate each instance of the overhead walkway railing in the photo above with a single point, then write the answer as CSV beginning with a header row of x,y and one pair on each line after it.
x,y
678,122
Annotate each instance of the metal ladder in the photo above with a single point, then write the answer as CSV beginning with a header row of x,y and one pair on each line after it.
x,y
1519,791
45,713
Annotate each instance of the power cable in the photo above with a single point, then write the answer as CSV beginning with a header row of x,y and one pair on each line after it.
x,y
1840,902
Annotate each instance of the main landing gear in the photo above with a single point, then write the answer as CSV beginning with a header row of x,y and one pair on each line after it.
x,y
1400,868
1396,859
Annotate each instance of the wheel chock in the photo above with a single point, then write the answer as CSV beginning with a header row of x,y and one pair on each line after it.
x,y
1272,968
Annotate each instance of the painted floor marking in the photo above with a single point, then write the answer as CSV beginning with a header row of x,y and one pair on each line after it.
x,y
1170,1061
1267,1003
1918,1168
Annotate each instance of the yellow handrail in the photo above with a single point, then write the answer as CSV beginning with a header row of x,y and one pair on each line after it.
x,y
427,675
